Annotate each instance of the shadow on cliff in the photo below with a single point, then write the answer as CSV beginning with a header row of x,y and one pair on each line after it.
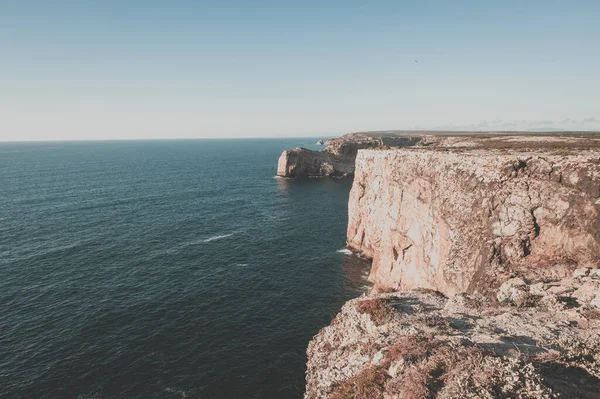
x,y
570,382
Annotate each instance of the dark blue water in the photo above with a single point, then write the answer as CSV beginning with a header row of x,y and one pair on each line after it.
x,y
165,269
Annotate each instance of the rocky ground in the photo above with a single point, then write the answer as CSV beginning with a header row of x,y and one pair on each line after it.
x,y
536,339
486,265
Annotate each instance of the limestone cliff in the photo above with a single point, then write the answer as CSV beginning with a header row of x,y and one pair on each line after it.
x,y
459,218
337,159
301,162
492,244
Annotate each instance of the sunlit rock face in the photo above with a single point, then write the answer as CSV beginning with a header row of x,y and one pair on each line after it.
x,y
508,229
461,216
301,162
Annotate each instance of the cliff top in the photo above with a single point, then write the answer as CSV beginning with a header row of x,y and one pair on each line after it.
x,y
537,142
357,136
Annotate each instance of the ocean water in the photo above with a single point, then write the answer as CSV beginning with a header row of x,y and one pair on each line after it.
x,y
165,269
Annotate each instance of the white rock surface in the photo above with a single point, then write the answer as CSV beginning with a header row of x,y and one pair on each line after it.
x,y
459,219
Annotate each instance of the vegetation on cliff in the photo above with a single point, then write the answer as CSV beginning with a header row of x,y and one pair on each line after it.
x,y
486,257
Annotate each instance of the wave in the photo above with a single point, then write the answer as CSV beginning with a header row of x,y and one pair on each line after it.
x,y
214,238
184,245
345,251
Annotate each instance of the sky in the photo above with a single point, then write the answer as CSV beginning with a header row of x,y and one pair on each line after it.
x,y
78,70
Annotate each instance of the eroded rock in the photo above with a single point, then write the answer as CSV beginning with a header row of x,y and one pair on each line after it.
x,y
462,219
338,157
301,162
509,229
462,347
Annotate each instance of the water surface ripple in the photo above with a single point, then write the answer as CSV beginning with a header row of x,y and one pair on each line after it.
x,y
165,269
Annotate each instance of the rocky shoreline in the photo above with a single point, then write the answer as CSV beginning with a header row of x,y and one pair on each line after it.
x,y
486,257
422,344
337,159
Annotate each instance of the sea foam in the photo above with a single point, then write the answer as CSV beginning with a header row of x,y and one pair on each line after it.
x,y
214,238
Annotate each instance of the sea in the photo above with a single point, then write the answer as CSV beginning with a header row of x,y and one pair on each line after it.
x,y
165,269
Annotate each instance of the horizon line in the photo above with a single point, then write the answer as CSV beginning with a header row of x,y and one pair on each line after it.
x,y
310,135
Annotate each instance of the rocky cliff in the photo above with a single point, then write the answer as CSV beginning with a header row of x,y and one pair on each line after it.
x,y
337,159
491,247
539,343
301,162
460,217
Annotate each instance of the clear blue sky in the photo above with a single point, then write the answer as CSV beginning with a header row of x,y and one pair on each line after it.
x,y
148,69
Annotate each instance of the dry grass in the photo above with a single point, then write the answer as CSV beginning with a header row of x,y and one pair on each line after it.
x,y
488,375
591,314
327,348
369,384
380,310
428,362
436,321
368,349
428,374
550,356
434,368
411,348
426,367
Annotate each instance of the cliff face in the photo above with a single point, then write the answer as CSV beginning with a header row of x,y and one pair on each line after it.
x,y
301,162
461,218
337,159
495,245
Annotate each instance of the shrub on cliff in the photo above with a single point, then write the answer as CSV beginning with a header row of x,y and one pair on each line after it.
x,y
380,310
368,384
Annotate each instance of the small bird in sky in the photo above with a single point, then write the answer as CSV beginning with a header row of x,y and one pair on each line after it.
x,y
416,61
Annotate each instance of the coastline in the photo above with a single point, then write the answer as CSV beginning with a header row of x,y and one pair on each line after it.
x,y
525,272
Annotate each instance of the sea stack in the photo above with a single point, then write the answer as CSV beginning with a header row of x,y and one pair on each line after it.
x,y
338,156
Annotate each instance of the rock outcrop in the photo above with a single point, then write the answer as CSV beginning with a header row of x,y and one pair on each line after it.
x,y
486,272
462,216
301,162
420,344
337,159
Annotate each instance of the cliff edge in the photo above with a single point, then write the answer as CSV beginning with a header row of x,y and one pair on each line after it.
x,y
421,344
486,257
338,157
